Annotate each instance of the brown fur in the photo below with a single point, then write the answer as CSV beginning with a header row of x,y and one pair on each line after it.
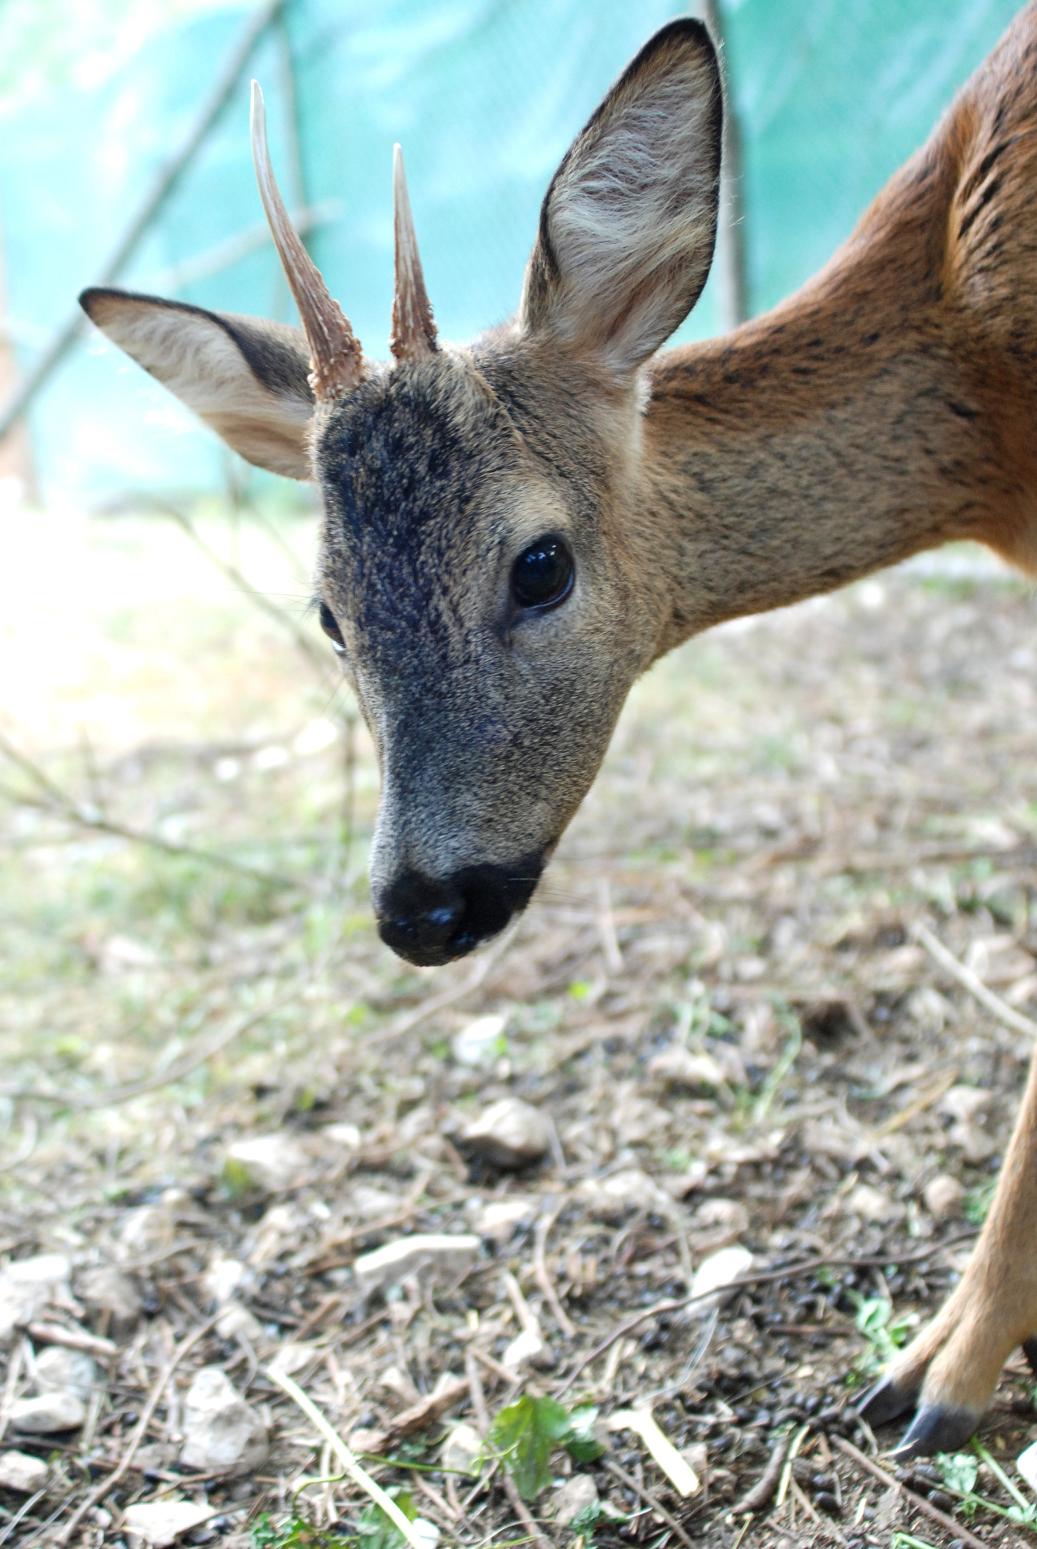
x,y
888,407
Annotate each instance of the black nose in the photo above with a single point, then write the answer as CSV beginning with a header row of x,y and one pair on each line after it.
x,y
430,920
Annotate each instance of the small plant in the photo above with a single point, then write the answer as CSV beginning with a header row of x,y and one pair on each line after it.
x,y
297,1533
526,1433
373,1530
960,1473
593,1516
978,1202
885,1334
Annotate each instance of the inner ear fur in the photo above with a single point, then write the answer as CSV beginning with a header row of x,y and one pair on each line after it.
x,y
628,225
247,378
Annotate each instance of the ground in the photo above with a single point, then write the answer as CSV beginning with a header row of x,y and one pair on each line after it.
x,y
724,1008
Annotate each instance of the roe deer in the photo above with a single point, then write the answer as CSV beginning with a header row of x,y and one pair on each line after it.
x,y
514,531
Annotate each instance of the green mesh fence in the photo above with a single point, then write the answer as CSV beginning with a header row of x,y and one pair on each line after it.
x,y
485,95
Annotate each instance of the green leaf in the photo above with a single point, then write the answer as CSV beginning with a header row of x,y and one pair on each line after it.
x,y
959,1470
374,1529
525,1434
580,1441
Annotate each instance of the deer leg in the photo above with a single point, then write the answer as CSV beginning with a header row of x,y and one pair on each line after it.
x,y
947,1374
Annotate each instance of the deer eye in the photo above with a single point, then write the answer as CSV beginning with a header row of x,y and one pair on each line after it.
x,y
331,629
542,576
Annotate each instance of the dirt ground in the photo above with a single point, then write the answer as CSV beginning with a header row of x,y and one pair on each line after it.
x,y
723,1019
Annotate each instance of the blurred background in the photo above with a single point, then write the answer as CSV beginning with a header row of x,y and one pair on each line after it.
x,y
124,159
206,1055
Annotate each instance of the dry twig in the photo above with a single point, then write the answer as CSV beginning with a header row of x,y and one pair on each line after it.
x,y
743,1282
869,1466
997,1007
106,1485
651,1501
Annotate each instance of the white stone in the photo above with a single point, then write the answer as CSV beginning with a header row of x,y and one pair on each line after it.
x,y
346,1136
439,1253
943,1196
22,1473
59,1370
965,1102
47,1413
108,1289
526,1347
281,1227
223,1278
46,1269
479,1041
237,1322
463,1449
574,1496
716,1273
870,1203
681,1067
717,1223
27,1286
630,1189
499,1219
147,1230
222,1434
162,1522
269,1162
510,1133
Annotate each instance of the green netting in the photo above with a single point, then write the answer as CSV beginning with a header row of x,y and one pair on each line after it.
x,y
485,96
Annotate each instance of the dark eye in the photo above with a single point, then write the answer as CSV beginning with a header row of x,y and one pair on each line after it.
x,y
542,575
331,629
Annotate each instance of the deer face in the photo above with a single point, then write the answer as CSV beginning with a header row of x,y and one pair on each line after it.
x,y
489,637
483,570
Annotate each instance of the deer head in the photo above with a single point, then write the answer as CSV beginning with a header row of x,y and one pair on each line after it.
x,y
488,572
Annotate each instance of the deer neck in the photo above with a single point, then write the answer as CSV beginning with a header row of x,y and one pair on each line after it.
x,y
844,431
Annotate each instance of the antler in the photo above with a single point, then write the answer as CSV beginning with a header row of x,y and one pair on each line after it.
x,y
413,329
336,359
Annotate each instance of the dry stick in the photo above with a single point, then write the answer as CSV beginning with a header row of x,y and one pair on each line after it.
x,y
100,1490
869,1466
175,1072
924,855
351,1467
977,989
762,1491
163,186
650,1500
542,1274
72,1339
743,1282
482,1419
61,804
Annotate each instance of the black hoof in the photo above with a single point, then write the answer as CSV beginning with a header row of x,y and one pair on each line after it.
x,y
887,1401
1030,1352
935,1429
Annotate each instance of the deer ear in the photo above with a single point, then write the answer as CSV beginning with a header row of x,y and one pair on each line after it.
x,y
628,224
246,378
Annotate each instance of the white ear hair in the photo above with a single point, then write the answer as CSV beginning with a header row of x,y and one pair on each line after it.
x,y
245,377
629,222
